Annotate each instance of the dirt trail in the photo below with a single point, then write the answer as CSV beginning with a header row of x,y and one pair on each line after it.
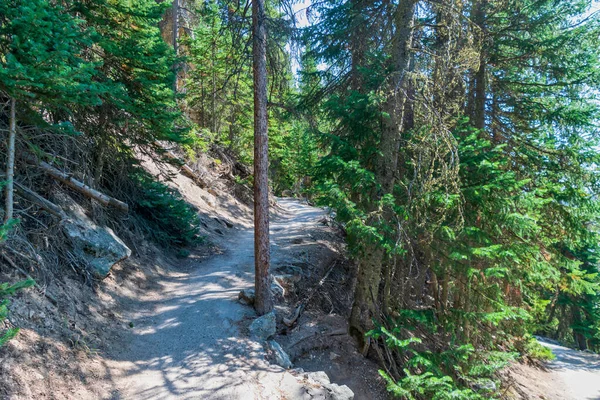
x,y
186,341
577,372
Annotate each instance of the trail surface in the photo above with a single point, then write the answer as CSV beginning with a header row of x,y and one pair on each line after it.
x,y
576,372
186,341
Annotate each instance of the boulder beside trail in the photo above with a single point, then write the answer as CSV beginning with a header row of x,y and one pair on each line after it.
x,y
333,390
97,246
263,327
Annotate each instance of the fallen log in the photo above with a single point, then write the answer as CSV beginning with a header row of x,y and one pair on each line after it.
x,y
82,188
35,198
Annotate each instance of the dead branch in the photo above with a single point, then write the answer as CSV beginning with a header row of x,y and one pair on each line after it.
x,y
298,311
186,170
82,188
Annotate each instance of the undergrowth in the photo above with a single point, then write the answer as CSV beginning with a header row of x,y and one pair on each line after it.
x,y
172,222
427,362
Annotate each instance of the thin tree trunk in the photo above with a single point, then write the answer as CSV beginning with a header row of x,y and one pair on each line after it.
x,y
175,37
262,257
10,163
214,89
479,83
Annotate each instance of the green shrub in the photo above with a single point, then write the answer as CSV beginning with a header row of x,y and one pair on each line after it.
x,y
436,366
534,350
171,220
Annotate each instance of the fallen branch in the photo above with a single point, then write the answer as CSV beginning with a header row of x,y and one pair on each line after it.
x,y
82,188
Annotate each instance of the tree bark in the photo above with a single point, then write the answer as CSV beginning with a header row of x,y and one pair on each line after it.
x,y
10,163
262,258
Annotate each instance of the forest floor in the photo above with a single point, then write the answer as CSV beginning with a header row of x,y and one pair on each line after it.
x,y
572,375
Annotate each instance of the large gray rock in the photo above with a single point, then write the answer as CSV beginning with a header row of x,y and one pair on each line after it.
x,y
280,357
319,377
263,327
97,246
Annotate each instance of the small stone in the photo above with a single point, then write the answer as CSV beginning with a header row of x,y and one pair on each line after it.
x,y
246,297
339,392
280,357
263,327
333,356
287,279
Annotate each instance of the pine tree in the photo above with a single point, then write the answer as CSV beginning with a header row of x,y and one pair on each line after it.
x,y
41,69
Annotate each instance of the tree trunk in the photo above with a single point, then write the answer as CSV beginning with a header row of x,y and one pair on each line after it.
x,y
479,95
262,258
395,104
366,295
80,187
175,37
10,163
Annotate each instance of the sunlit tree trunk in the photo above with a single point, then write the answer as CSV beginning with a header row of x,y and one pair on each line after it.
x,y
262,258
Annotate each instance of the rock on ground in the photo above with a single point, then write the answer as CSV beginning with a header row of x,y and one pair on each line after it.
x,y
280,357
247,297
97,246
263,327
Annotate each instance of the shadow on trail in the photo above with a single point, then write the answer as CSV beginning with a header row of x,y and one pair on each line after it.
x,y
187,340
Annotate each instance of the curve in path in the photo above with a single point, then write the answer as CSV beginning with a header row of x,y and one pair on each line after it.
x,y
187,344
577,371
